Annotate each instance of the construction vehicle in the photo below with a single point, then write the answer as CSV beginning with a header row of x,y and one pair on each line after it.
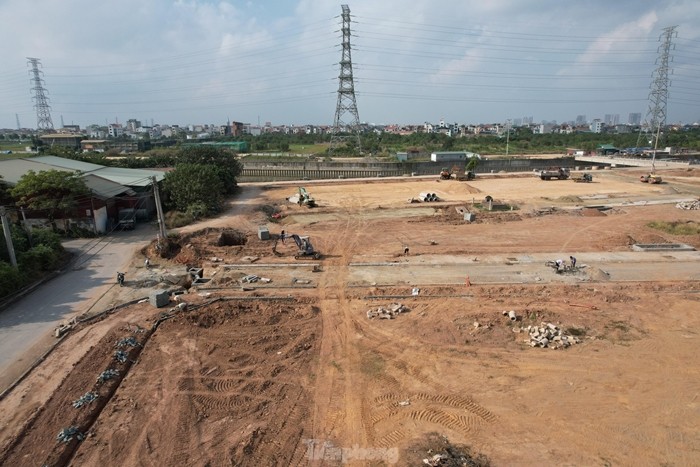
x,y
459,173
583,178
557,173
306,249
305,198
650,178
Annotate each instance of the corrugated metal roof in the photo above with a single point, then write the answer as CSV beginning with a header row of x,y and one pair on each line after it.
x,y
85,167
106,188
12,170
107,179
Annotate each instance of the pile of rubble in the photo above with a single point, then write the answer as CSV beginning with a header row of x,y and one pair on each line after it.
x,y
549,335
387,313
250,278
689,205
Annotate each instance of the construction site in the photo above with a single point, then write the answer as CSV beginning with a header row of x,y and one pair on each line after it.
x,y
508,321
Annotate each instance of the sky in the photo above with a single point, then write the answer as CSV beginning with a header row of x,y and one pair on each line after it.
x,y
207,62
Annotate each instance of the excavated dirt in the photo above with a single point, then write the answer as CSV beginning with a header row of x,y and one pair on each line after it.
x,y
292,372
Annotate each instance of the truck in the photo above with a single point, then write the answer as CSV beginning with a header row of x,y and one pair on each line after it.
x,y
557,173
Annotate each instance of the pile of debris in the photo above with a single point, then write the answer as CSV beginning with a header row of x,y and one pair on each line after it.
x,y
689,205
387,313
549,335
250,278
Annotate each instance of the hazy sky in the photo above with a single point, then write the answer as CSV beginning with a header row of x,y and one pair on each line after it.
x,y
197,61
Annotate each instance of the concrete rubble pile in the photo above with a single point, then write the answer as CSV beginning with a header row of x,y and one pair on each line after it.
x,y
549,335
387,313
250,278
689,205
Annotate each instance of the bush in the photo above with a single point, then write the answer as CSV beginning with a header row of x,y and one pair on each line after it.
x,y
174,219
11,279
197,210
47,237
38,259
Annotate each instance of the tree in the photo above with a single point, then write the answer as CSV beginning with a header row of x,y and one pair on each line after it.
x,y
189,184
53,191
228,167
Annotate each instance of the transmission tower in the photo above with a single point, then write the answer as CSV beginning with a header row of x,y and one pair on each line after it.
x,y
346,118
658,96
41,102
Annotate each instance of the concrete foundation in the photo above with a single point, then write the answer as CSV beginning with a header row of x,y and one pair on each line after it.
x,y
159,298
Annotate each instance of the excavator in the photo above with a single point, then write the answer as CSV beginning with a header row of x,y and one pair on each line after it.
x,y
305,198
306,249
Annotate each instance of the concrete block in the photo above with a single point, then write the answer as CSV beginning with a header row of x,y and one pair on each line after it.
x,y
159,298
263,232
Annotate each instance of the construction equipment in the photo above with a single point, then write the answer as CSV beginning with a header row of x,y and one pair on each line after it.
x,y
650,178
458,173
557,173
306,249
305,198
583,178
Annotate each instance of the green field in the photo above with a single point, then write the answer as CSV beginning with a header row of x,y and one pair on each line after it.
x,y
308,148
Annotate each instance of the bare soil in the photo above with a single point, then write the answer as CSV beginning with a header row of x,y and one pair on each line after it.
x,y
291,371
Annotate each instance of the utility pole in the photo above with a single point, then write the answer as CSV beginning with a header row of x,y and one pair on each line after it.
x,y
41,102
159,209
8,236
347,104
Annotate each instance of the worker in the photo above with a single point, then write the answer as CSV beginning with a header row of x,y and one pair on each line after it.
x,y
405,251
283,236
560,263
147,263
573,262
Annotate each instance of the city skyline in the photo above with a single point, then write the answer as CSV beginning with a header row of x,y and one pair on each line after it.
x,y
209,62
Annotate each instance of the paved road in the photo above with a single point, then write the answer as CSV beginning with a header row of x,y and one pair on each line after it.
x,y
25,325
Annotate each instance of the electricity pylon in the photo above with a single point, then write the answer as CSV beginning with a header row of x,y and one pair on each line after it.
x,y
347,103
41,102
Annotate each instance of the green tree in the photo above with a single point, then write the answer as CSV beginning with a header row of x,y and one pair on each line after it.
x,y
194,184
227,166
56,192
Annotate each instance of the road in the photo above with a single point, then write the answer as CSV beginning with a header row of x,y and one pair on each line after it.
x,y
26,326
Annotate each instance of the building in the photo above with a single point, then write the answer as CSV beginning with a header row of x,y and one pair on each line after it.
x,y
64,140
635,118
453,156
113,189
597,126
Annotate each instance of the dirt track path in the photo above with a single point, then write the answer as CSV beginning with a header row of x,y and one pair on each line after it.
x,y
337,409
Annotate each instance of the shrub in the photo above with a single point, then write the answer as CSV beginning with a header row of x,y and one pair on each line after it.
x,y
11,279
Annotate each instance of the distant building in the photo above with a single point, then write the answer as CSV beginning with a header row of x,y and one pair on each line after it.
x,y
65,140
597,126
453,156
635,118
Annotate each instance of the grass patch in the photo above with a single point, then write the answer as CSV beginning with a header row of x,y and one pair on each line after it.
x,y
372,364
308,148
676,227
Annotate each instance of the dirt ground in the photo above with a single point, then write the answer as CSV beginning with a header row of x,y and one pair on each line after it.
x,y
274,361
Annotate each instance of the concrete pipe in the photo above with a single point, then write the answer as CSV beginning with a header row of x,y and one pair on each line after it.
x,y
512,316
425,197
